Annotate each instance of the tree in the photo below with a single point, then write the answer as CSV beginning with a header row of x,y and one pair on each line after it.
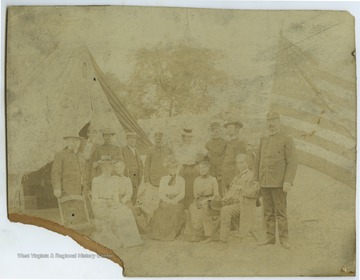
x,y
170,80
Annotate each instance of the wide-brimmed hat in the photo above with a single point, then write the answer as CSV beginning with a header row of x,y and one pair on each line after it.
x,y
108,131
234,122
187,131
215,125
106,159
73,137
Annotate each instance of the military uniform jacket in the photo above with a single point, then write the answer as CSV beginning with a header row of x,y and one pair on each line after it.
x,y
216,149
154,164
234,147
133,164
67,172
276,161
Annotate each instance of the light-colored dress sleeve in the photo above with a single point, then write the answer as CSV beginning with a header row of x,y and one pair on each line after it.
x,y
196,188
215,187
163,190
128,190
181,185
95,190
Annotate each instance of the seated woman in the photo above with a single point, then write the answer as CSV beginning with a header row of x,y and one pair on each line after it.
x,y
169,217
205,189
115,223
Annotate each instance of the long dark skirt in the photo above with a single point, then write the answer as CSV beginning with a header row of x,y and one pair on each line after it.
x,y
167,221
189,173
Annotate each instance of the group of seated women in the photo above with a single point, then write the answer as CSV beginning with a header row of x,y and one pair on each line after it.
x,y
209,217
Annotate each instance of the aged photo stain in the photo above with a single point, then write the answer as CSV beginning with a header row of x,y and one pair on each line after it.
x,y
186,142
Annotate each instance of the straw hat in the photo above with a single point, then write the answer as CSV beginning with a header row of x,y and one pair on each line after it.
x,y
187,132
234,122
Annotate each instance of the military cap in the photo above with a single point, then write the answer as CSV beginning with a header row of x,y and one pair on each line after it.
x,y
131,135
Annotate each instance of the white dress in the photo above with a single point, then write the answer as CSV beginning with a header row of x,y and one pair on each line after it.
x,y
115,222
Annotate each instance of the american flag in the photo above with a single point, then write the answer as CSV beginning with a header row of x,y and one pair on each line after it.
x,y
318,109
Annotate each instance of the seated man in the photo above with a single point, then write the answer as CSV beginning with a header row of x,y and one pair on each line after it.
x,y
239,201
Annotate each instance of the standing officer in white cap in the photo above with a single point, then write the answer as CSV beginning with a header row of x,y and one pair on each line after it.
x,y
274,171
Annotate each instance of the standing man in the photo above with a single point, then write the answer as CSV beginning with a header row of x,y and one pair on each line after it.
x,y
133,164
154,161
234,147
107,149
216,149
67,173
87,149
274,171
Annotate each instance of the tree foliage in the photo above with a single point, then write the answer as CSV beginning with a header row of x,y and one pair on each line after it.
x,y
171,80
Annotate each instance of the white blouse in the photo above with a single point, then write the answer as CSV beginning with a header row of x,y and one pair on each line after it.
x,y
172,194
124,188
111,191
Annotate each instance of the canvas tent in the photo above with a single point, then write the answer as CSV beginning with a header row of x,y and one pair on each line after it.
x,y
66,92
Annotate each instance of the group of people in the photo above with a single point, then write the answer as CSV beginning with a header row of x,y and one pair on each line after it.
x,y
196,192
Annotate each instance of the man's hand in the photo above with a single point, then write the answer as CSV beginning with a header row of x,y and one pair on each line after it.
x,y
286,187
57,193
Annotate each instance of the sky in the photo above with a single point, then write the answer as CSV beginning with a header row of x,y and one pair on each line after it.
x,y
248,40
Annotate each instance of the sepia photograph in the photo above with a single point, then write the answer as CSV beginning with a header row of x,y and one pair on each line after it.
x,y
186,141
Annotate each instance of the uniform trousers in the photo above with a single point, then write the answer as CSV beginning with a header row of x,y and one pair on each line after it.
x,y
274,203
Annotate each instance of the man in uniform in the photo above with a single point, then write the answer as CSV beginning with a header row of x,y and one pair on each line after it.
x,y
274,171
234,147
106,149
67,173
133,164
216,149
154,161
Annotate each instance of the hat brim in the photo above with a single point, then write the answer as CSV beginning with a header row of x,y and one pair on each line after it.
x,y
238,124
106,161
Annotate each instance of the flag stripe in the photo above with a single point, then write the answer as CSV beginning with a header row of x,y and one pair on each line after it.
x,y
321,142
340,82
320,119
332,100
344,175
339,139
316,103
324,154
